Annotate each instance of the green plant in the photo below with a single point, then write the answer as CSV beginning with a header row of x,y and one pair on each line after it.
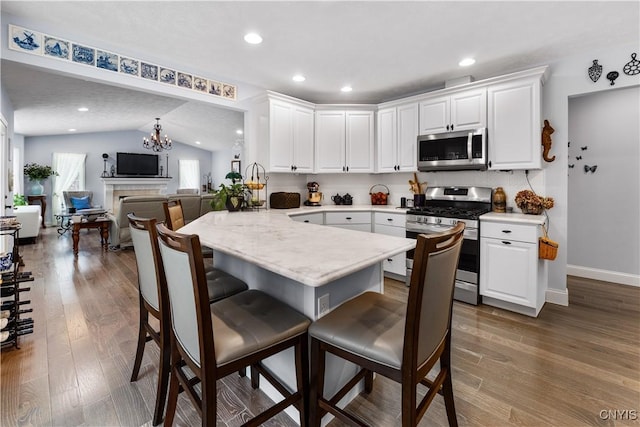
x,y
36,172
19,200
226,192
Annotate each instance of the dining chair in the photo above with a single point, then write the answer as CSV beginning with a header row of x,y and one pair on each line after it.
x,y
174,218
155,302
400,341
215,340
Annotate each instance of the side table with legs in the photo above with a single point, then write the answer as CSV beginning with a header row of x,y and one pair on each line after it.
x,y
42,201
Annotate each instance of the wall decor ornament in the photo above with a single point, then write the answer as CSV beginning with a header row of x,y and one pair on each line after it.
x,y
107,60
571,166
632,67
129,66
591,169
83,54
578,157
547,130
148,71
583,148
167,76
612,76
185,80
595,71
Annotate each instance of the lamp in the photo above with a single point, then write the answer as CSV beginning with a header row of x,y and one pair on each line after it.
x,y
105,156
156,142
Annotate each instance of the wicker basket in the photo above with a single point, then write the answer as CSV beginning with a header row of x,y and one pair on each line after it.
x,y
283,200
379,198
547,248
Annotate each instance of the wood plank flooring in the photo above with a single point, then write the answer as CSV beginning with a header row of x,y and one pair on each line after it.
x,y
561,369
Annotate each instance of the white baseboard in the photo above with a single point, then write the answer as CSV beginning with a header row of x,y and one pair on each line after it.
x,y
604,275
557,296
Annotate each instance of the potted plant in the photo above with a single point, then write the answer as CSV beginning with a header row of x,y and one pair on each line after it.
x,y
530,203
230,197
36,174
19,200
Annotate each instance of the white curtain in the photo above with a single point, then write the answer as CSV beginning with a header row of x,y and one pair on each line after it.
x,y
189,174
70,168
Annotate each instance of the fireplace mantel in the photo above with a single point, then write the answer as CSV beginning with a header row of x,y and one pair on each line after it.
x,y
112,185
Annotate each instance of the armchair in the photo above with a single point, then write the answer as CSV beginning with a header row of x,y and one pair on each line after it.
x,y
82,199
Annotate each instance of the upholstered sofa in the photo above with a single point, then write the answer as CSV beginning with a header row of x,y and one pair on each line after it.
x,y
30,218
193,206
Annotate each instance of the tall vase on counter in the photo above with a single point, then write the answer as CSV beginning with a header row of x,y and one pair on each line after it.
x,y
37,174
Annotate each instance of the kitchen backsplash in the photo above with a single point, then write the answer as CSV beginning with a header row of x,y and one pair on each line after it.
x,y
358,185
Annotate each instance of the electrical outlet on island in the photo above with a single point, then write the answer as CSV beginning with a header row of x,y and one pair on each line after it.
x,y
323,305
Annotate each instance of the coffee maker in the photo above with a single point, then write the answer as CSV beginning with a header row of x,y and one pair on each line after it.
x,y
314,196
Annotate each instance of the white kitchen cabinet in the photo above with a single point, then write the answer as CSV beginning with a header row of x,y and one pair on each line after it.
x,y
396,139
459,111
291,132
392,224
344,141
312,218
511,275
514,124
360,221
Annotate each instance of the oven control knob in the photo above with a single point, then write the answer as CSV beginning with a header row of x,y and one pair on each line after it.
x,y
438,220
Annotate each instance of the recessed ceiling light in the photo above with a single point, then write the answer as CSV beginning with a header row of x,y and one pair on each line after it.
x,y
466,62
299,78
72,130
198,142
253,38
239,131
83,109
346,89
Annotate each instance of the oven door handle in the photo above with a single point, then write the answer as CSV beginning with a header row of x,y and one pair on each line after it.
x,y
429,228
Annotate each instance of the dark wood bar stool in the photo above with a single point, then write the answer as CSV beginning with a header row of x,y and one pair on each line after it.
x,y
154,302
215,340
403,342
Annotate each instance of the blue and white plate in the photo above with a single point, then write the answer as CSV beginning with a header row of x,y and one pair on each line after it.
x,y
83,54
129,66
185,80
148,71
107,60
167,76
56,47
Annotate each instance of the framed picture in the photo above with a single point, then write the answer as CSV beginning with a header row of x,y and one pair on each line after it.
x,y
235,166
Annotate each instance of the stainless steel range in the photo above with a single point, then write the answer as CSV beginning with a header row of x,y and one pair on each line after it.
x,y
444,208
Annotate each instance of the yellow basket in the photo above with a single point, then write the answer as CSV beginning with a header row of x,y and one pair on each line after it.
x,y
547,248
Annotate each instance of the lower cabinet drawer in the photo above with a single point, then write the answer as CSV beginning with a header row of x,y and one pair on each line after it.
x,y
313,218
336,218
501,230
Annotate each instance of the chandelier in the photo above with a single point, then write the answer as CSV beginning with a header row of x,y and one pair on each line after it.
x,y
156,142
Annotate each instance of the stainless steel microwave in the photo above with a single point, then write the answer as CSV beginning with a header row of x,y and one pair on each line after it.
x,y
460,150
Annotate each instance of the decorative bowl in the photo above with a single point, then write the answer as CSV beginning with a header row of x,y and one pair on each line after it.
x,y
253,185
257,202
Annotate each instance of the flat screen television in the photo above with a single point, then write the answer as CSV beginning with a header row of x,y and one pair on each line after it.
x,y
137,164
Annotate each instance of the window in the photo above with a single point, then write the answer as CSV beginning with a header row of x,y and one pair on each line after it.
x,y
70,168
189,174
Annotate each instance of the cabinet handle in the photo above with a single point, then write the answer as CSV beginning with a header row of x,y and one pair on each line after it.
x,y
506,242
451,127
389,219
348,218
506,231
343,169
447,127
347,168
389,260
292,167
489,163
306,220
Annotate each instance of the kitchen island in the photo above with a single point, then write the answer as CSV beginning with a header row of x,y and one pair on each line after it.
x,y
310,267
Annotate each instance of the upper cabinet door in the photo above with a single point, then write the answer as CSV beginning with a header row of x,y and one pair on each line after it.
x,y
407,157
280,136
330,141
387,141
435,115
514,125
303,119
359,141
469,110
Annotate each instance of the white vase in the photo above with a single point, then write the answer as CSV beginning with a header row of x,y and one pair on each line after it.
x,y
37,188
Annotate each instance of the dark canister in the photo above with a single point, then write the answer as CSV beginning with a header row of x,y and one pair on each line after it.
x,y
418,200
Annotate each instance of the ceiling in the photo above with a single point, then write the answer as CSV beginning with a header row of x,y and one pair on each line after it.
x,y
384,50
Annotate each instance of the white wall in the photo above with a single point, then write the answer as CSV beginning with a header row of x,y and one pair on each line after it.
x,y
604,207
40,149
568,77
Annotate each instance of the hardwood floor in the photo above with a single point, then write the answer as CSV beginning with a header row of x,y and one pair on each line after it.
x,y
561,369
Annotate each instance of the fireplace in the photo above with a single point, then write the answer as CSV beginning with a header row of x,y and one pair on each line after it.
x,y
116,188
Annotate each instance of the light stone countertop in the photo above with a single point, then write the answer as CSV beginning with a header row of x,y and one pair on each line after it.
x,y
311,254
340,208
516,218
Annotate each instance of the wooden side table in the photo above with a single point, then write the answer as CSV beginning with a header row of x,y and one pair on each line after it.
x,y
42,201
101,223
